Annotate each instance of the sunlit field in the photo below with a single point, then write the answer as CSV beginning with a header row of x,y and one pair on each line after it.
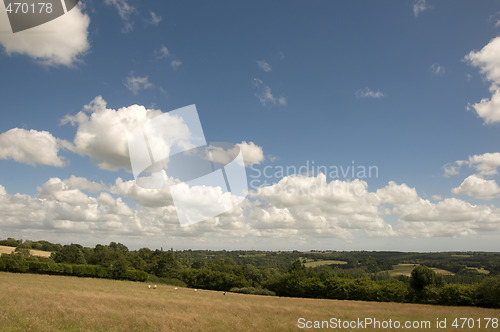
x,y
53,303
8,250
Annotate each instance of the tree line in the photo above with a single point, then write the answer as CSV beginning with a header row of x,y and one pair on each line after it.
x,y
272,273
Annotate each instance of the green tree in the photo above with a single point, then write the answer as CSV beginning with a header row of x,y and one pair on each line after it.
x,y
423,276
71,254
488,292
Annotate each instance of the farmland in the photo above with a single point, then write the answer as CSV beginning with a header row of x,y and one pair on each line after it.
x,y
54,303
39,253
405,270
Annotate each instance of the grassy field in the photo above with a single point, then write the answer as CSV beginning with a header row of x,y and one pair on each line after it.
x,y
480,270
405,269
54,303
8,250
312,263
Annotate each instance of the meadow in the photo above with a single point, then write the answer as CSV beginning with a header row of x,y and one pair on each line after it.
x,y
405,270
39,253
55,303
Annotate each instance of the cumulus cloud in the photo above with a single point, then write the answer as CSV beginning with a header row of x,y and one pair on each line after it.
x,y
485,164
80,183
419,6
252,153
31,147
59,207
264,65
298,207
124,10
265,95
135,83
477,187
102,133
368,93
60,42
488,109
488,62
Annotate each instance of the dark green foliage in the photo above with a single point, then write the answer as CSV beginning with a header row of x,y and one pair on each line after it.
x,y
455,294
71,254
10,242
214,280
423,276
119,269
253,291
488,293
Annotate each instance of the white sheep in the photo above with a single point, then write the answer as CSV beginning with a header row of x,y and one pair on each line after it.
x,y
149,286
154,287
195,290
175,288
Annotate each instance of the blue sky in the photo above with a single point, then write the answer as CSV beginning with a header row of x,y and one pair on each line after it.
x,y
393,84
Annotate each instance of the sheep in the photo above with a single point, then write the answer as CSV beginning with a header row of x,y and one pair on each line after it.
x,y
175,288
154,287
224,293
195,290
149,286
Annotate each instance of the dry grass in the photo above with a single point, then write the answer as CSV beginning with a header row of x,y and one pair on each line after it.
x,y
8,250
53,303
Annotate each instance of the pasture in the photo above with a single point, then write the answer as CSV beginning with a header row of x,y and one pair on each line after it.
x,y
313,263
54,303
40,253
405,269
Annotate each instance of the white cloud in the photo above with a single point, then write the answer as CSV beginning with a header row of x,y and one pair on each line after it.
x,y
31,147
476,186
155,19
395,194
264,65
488,62
136,83
60,42
163,52
485,164
80,183
368,93
452,168
251,152
297,207
102,132
437,69
419,6
265,95
311,207
488,109
175,64
124,10
57,190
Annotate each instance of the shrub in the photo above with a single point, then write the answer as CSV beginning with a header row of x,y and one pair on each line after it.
x,y
253,291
